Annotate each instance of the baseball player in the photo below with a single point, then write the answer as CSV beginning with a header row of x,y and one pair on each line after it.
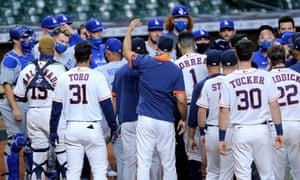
x,y
155,126
288,84
193,67
113,54
79,93
36,83
251,95
227,29
155,30
202,40
13,110
94,31
65,21
218,167
125,99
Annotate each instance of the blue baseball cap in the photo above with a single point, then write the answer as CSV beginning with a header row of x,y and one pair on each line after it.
x,y
180,11
213,57
202,33
165,43
285,37
228,58
49,22
226,24
94,25
114,45
155,24
64,18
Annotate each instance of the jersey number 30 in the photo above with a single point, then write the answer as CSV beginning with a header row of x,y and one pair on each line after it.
x,y
249,99
79,94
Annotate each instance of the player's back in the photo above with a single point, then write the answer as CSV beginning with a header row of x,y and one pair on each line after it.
x,y
288,84
209,98
80,89
247,93
38,96
193,66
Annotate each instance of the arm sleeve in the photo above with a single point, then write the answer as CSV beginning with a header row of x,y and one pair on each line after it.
x,y
55,115
74,39
108,111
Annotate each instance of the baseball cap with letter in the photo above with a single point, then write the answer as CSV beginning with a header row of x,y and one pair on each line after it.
x,y
94,25
202,33
155,24
114,45
180,11
165,43
64,18
213,57
226,24
49,22
228,58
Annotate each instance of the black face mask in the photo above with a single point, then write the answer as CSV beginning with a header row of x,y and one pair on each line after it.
x,y
202,47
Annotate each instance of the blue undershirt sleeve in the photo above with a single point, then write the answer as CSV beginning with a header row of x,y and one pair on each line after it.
x,y
108,111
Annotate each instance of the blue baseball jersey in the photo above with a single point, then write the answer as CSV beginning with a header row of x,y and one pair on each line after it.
x,y
296,67
98,58
193,114
74,39
125,89
159,80
260,60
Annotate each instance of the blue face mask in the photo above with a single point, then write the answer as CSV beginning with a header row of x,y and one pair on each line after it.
x,y
60,48
265,45
51,33
95,42
27,47
180,25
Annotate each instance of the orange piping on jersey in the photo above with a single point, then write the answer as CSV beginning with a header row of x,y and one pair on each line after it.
x,y
113,94
164,57
56,100
223,105
130,59
105,97
178,92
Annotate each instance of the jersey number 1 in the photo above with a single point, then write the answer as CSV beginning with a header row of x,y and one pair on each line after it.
x,y
79,94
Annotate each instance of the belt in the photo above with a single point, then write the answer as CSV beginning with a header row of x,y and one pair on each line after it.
x,y
37,107
210,125
83,121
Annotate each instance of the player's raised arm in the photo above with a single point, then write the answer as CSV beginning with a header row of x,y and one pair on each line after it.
x,y
127,40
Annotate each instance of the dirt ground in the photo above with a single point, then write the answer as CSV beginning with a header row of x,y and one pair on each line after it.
x,y
111,159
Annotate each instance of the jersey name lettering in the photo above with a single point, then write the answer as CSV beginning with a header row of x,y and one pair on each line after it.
x,y
191,62
47,73
79,77
216,86
247,80
286,77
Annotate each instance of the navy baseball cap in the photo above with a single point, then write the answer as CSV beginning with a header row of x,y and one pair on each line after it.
x,y
226,24
213,57
165,43
64,18
228,58
49,22
180,11
155,24
236,38
114,45
94,25
297,44
292,39
220,44
285,37
202,33
138,45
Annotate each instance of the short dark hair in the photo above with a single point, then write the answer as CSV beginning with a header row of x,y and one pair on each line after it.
x,y
265,27
244,50
277,55
82,51
186,39
284,19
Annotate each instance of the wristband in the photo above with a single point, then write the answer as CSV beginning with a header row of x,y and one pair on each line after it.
x,y
222,134
279,129
202,131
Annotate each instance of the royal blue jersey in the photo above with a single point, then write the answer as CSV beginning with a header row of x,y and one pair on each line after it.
x,y
74,39
193,114
260,60
125,89
159,80
98,58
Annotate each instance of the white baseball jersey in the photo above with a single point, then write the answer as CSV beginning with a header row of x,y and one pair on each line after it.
x,y
80,90
38,97
247,93
110,69
209,99
152,52
193,66
288,84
